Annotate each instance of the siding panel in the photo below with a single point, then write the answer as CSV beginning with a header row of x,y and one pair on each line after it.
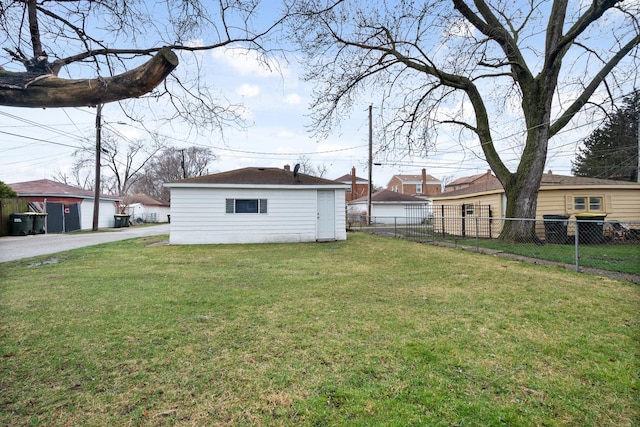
x,y
198,216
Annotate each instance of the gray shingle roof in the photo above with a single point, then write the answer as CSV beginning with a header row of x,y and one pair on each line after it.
x,y
548,180
258,176
47,187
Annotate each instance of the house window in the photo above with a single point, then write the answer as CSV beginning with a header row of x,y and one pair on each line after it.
x,y
239,206
588,204
418,188
468,209
595,204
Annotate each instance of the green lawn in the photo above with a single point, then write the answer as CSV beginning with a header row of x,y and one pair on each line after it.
x,y
371,331
621,258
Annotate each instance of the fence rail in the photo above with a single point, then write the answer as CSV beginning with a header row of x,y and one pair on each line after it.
x,y
584,243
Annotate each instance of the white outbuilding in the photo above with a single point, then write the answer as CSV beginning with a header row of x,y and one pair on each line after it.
x,y
390,207
256,205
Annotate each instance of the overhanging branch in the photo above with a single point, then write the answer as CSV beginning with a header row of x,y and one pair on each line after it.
x,y
38,91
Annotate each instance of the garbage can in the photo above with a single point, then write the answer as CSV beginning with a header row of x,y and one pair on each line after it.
x,y
121,220
38,223
21,223
555,228
590,228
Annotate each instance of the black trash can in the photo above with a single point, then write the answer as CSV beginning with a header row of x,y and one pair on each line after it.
x,y
590,228
21,223
38,223
555,228
121,220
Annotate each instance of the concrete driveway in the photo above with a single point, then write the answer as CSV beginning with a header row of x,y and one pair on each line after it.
x,y
18,247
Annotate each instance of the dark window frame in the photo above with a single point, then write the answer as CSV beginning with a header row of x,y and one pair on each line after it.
x,y
246,206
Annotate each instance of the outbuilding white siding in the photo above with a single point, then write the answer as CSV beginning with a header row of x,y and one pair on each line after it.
x,y
142,213
198,215
392,213
106,211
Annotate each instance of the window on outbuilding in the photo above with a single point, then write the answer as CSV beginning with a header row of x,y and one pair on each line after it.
x,y
240,206
588,204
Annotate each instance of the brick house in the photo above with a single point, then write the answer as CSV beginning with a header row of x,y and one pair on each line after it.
x,y
358,187
470,181
415,185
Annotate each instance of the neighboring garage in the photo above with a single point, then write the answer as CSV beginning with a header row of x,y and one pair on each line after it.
x,y
68,208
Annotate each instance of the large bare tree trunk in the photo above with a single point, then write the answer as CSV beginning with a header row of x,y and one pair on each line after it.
x,y
47,91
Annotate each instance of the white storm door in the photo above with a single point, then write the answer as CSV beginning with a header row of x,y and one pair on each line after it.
x,y
326,222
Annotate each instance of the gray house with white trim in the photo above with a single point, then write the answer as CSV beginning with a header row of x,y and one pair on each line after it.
x,y
256,205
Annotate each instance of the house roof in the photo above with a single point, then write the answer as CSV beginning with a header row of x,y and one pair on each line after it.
x,y
143,199
549,180
417,178
347,179
258,176
47,187
389,196
468,179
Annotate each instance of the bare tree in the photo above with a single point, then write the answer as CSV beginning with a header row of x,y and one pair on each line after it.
x,y
126,165
109,41
122,163
172,164
471,64
309,168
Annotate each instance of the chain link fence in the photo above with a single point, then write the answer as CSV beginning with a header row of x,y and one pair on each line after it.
x,y
588,241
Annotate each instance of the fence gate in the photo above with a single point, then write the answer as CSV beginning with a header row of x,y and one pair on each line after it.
x,y
62,218
463,220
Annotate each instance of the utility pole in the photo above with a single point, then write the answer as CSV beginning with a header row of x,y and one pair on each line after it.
x,y
370,164
184,171
96,197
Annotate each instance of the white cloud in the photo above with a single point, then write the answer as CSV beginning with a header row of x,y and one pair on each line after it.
x,y
285,133
194,43
248,62
248,91
293,99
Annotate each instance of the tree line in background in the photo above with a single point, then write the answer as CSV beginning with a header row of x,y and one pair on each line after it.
x,y
144,165
611,151
136,166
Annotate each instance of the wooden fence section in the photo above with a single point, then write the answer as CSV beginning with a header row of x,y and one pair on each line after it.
x,y
7,207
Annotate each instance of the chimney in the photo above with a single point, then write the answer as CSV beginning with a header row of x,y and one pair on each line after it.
x,y
287,168
353,183
424,181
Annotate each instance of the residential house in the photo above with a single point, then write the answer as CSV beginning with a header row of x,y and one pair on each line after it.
x,y
142,208
469,181
256,205
415,185
558,195
357,187
390,207
68,208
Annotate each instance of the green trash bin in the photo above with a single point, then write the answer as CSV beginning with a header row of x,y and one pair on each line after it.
x,y
555,228
38,223
121,220
21,223
590,230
